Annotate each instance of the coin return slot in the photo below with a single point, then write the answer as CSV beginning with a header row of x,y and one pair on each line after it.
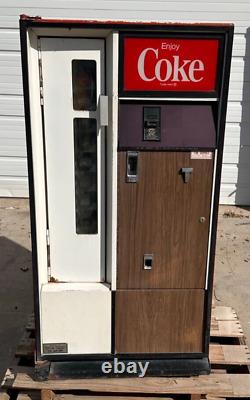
x,y
148,261
132,166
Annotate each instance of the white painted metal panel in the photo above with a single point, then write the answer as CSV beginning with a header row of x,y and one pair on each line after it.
x,y
12,137
11,105
239,91
10,73
235,112
239,46
87,330
236,155
9,40
237,174
240,69
13,186
111,157
234,194
134,10
161,10
238,134
8,21
12,166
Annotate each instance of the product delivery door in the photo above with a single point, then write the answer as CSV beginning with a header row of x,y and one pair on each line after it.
x,y
73,80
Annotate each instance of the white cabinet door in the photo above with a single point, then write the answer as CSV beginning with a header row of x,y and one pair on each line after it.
x,y
73,80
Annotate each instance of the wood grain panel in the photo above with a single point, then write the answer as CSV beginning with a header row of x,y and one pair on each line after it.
x,y
160,215
159,321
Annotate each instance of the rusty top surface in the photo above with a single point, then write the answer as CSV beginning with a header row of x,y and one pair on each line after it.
x,y
45,21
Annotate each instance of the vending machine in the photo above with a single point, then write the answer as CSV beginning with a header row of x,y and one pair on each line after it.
x,y
125,128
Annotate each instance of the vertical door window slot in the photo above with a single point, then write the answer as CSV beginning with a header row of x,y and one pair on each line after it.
x,y
84,85
85,156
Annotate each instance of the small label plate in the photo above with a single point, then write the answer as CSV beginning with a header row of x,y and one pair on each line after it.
x,y
49,348
201,155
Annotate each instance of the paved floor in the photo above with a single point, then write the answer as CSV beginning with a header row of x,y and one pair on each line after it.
x,y
232,271
232,277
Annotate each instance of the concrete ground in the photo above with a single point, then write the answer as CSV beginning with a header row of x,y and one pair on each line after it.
x,y
16,298
232,276
232,267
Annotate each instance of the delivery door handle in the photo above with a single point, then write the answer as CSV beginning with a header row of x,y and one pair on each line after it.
x,y
186,173
103,110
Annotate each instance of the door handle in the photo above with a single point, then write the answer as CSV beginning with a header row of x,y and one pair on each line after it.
x,y
186,172
103,110
132,166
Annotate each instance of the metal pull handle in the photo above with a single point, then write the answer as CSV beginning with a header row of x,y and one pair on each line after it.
x,y
186,172
132,166
104,112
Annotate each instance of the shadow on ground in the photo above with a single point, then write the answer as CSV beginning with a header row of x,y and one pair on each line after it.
x,y
16,297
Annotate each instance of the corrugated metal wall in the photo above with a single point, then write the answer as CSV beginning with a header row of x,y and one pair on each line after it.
x,y
236,169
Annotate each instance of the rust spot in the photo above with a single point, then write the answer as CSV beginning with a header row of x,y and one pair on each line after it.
x,y
53,280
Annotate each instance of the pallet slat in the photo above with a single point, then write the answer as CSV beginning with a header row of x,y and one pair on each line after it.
x,y
224,313
241,385
229,354
114,397
222,385
204,384
226,329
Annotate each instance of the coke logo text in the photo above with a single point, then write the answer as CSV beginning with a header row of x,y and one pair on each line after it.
x,y
158,64
169,69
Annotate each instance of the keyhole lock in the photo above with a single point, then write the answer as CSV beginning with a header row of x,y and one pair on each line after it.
x,y
202,220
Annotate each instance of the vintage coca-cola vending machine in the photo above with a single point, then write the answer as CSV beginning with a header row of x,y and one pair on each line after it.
x,y
125,128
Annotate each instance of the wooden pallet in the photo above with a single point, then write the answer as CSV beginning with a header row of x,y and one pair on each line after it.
x,y
230,378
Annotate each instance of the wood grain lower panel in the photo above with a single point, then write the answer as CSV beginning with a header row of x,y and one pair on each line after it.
x,y
160,215
159,321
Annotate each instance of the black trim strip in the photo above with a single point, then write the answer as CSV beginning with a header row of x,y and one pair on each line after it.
x,y
24,58
93,369
171,94
129,356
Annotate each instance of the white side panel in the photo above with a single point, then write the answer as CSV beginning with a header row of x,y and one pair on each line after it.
x,y
77,314
112,129
38,160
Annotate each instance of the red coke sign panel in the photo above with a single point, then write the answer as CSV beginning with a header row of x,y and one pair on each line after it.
x,y
169,64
